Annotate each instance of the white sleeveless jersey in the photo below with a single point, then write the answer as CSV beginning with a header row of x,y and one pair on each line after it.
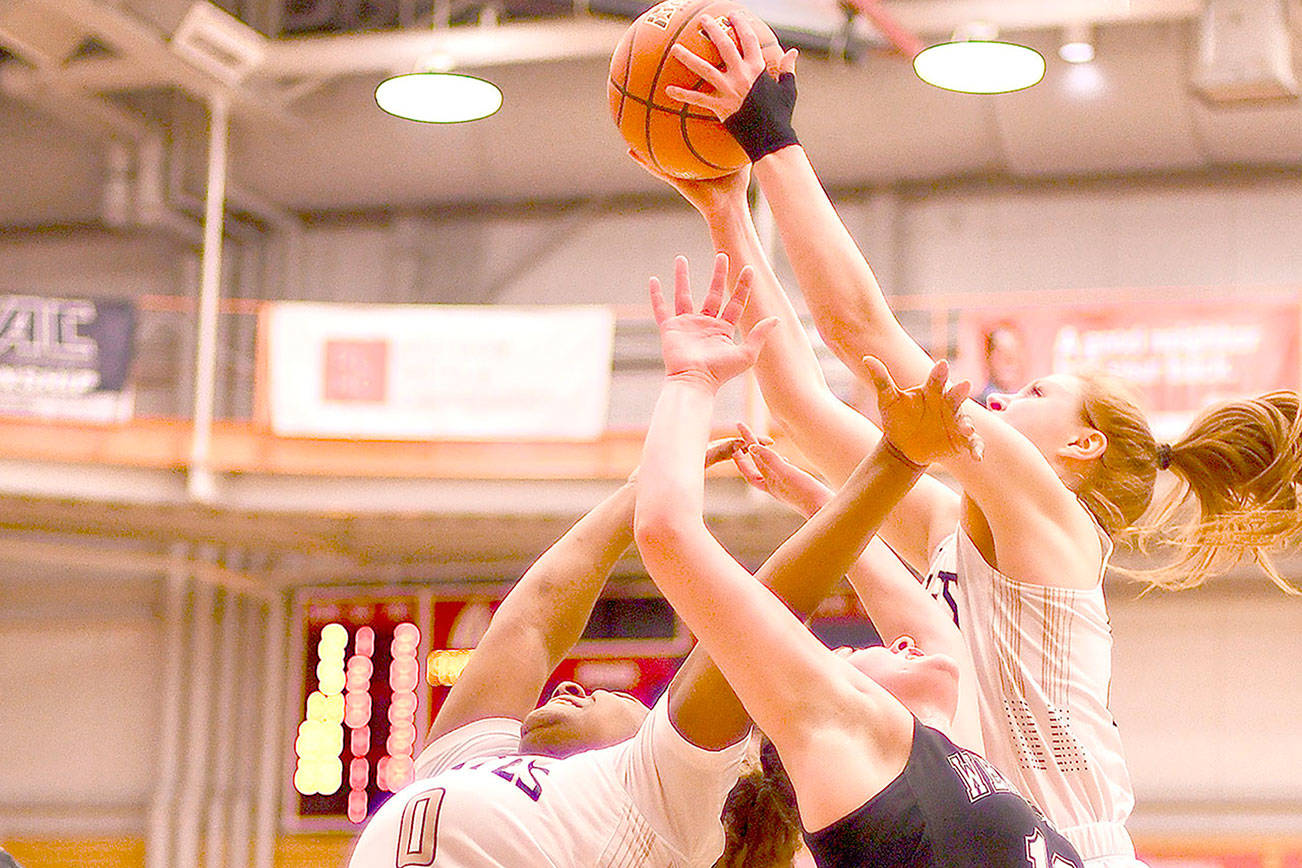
x,y
654,800
1043,660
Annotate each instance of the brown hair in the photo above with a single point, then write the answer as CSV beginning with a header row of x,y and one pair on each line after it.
x,y
1237,473
760,821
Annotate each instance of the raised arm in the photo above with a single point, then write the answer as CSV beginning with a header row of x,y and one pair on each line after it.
x,y
1016,489
831,434
540,619
770,659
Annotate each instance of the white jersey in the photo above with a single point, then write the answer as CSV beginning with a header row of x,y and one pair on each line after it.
x,y
1043,660
653,800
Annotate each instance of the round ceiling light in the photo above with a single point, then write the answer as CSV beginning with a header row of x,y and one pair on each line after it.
x,y
979,66
438,97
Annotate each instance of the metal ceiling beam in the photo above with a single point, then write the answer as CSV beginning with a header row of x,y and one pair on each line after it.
x,y
36,35
465,47
45,39
325,57
46,92
145,49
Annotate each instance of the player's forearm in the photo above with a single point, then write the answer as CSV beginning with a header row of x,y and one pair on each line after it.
x,y
843,295
804,569
897,603
671,481
554,598
789,374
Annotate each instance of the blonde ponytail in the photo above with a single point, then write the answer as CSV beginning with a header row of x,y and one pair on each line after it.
x,y
1237,470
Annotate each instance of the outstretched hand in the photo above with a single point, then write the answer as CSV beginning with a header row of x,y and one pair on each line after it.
x,y
699,345
764,468
925,423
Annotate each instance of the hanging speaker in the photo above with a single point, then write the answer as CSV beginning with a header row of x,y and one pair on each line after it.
x,y
1245,52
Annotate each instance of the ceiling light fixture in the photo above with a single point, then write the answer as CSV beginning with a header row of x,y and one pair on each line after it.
x,y
1077,44
438,97
434,94
975,60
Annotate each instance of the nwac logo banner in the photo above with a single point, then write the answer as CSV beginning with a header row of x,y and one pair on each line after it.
x,y
66,357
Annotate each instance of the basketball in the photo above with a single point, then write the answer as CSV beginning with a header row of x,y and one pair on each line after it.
x,y
677,139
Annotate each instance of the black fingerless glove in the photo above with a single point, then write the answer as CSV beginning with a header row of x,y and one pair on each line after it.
x,y
762,124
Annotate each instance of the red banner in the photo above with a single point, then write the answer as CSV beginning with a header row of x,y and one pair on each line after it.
x,y
1182,356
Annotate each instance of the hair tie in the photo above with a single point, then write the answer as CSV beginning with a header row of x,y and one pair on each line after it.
x,y
1163,456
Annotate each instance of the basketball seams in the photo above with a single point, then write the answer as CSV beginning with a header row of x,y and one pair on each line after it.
x,y
645,103
683,117
659,70
674,137
622,89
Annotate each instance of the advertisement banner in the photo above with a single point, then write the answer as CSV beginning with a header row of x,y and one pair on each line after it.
x,y
66,358
1181,357
419,372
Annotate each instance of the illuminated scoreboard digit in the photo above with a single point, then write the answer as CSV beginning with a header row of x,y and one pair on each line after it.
x,y
357,731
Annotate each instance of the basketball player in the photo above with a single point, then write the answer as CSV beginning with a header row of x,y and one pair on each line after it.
x,y
587,779
861,732
1070,464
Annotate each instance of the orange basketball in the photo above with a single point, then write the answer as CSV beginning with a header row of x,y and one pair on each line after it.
x,y
680,140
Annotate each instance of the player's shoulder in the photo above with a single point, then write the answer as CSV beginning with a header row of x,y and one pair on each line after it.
x,y
486,737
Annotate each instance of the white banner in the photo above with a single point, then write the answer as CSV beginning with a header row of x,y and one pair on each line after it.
x,y
417,372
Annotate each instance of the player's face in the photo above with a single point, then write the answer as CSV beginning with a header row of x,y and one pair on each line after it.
x,y
573,720
1047,411
924,683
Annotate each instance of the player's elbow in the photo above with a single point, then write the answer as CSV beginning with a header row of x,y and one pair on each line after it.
x,y
661,531
655,529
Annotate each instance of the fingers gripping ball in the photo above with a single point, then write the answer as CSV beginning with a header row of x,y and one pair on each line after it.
x,y
677,139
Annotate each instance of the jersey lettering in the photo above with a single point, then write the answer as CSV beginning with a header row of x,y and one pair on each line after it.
x,y
418,831
973,782
525,778
940,585
979,777
1037,853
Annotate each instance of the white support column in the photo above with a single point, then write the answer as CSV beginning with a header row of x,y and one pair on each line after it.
x,y
251,667
200,483
162,810
226,723
192,805
271,769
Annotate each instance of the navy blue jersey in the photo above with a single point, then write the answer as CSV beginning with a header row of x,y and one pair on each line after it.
x,y
949,808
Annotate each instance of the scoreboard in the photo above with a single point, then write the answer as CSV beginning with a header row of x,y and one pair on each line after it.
x,y
357,729
363,706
